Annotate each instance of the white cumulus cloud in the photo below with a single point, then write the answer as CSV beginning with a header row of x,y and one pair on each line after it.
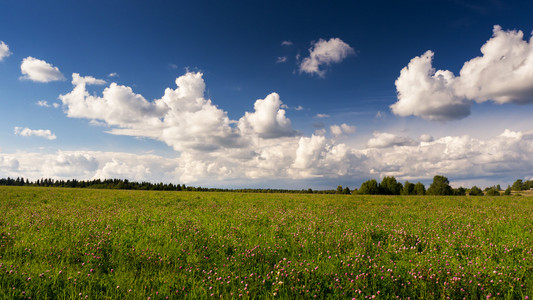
x,y
45,133
427,93
344,128
39,70
268,120
385,139
182,118
259,146
426,138
508,156
4,50
324,53
503,74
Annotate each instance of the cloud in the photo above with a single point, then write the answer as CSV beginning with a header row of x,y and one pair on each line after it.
x,y
344,128
324,53
122,169
309,151
182,118
297,108
259,146
268,120
43,103
335,130
281,59
385,140
86,80
4,50
47,134
286,43
348,128
502,74
426,138
70,164
39,70
427,93
87,165
321,116
118,106
507,156
114,74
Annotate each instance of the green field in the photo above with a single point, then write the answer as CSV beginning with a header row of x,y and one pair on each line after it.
x,y
59,243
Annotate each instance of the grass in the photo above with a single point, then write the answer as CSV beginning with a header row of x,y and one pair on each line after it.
x,y
59,243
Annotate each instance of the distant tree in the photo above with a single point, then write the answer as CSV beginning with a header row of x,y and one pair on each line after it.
x,y
369,187
339,189
440,186
408,188
528,184
493,192
346,191
460,191
420,189
389,186
518,185
507,191
475,191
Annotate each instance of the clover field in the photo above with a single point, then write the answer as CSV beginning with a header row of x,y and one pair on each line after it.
x,y
60,243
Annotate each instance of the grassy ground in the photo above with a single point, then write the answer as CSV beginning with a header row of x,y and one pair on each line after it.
x,y
59,243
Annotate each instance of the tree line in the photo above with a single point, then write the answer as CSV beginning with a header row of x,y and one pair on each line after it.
x,y
388,186
440,186
124,184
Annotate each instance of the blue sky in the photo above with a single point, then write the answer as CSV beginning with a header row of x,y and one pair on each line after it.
x,y
272,94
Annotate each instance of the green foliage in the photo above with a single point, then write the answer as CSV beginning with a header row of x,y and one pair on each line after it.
x,y
420,189
120,244
339,189
460,191
493,192
389,186
369,187
475,191
518,185
507,191
124,184
346,191
408,188
440,186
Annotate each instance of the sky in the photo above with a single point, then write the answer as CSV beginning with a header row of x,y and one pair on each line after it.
x,y
267,94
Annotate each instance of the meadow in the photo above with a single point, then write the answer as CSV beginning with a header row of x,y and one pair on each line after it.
x,y
60,243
